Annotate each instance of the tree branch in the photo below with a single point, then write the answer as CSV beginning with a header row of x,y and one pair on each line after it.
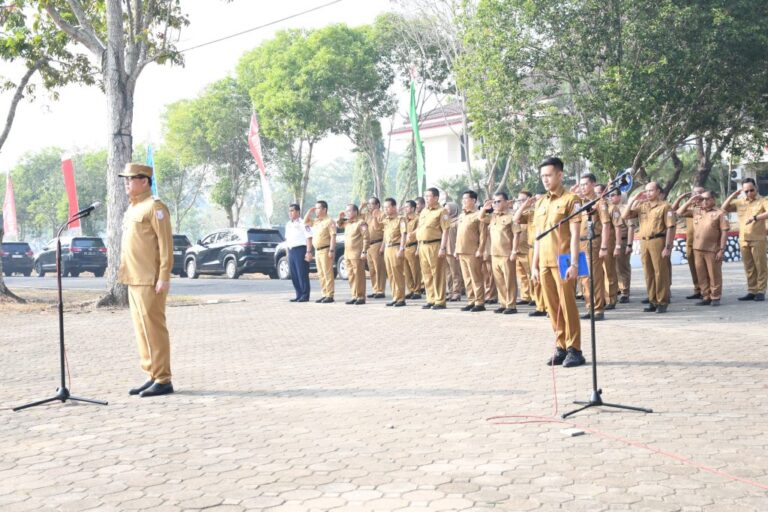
x,y
18,95
85,37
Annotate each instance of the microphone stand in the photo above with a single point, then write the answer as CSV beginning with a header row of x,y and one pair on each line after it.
x,y
596,397
62,393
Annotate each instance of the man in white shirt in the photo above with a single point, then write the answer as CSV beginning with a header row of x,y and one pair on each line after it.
x,y
298,236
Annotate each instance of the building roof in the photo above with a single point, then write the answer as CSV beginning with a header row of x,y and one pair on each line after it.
x,y
446,115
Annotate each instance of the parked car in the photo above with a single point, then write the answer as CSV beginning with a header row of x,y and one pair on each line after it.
x,y
17,258
180,245
283,269
78,254
233,251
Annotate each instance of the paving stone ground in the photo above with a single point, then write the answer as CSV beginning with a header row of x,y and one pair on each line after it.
x,y
311,407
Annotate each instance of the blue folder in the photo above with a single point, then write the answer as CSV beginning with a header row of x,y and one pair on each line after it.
x,y
565,262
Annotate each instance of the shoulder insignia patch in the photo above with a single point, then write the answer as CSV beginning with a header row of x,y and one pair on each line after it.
x,y
159,214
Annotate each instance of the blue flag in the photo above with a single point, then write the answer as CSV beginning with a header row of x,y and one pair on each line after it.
x,y
151,163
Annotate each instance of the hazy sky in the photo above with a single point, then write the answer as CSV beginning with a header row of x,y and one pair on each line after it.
x,y
78,120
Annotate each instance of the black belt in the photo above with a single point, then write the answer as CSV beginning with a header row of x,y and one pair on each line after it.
x,y
430,241
657,235
394,245
374,241
585,239
321,248
412,244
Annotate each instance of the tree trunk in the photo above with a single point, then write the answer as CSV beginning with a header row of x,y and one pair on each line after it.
x,y
704,168
678,165
305,177
5,293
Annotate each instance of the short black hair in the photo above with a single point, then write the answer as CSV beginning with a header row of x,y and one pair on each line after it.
x,y
375,200
323,204
294,206
471,193
354,207
526,192
434,191
553,161
749,180
391,200
601,185
502,194
589,176
411,203
420,200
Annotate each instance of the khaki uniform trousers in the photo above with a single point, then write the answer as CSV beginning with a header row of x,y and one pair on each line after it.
x,y
356,273
560,300
623,269
412,269
523,270
148,315
472,272
506,281
710,274
755,265
395,272
598,277
692,265
455,282
488,281
537,295
324,262
656,271
376,268
433,271
611,277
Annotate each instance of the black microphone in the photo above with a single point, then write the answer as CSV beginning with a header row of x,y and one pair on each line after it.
x,y
87,210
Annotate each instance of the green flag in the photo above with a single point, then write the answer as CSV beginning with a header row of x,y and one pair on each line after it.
x,y
419,148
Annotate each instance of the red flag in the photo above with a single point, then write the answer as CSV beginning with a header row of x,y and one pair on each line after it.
x,y
69,184
254,142
9,209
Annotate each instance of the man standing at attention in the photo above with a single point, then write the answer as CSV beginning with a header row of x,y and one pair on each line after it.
x,y
752,211
324,241
146,261
503,254
470,246
355,247
559,293
601,226
393,249
375,255
657,233
298,237
432,234
411,268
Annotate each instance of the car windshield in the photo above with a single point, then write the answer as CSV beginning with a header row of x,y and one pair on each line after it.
x,y
87,242
180,240
16,246
264,236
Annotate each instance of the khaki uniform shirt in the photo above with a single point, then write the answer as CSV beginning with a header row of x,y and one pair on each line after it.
x,y
432,223
754,232
355,238
501,233
147,244
375,234
470,234
614,213
708,226
655,218
411,223
551,209
322,230
600,217
527,223
394,230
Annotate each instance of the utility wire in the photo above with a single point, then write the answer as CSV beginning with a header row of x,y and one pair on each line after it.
x,y
274,22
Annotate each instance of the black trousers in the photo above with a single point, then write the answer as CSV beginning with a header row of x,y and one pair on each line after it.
x,y
299,271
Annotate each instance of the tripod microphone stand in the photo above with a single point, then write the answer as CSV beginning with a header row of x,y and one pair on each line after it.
x,y
62,392
595,399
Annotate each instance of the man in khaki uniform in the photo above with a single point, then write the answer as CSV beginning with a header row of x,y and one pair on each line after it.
x,y
470,246
695,191
525,216
411,268
432,234
393,248
375,257
710,233
559,294
454,280
503,253
146,261
624,233
609,261
355,247
491,294
324,242
657,232
522,265
601,225
751,209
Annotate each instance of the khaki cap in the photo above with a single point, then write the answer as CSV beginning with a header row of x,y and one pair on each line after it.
x,y
136,170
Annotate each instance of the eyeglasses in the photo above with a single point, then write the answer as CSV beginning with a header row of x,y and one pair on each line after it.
x,y
497,201
749,190
131,178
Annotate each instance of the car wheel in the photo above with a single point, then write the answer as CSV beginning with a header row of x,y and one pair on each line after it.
x,y
39,269
230,268
74,274
341,269
273,275
27,273
283,268
64,270
192,269
182,274
99,273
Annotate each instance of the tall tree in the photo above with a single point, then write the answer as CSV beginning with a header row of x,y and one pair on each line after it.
x,y
123,37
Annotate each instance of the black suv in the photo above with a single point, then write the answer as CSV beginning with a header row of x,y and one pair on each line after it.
x,y
78,254
233,252
17,257
180,245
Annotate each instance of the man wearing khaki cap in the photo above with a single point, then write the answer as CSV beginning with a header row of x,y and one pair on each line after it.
x,y
145,266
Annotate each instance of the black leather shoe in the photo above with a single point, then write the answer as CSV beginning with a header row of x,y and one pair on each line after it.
x,y
371,295
759,297
492,301
499,310
510,311
400,304
295,300
537,313
557,358
610,306
705,302
716,302
694,296
439,306
416,296
378,296
624,299
522,302
585,316
661,308
427,306
320,300
749,296
409,296
352,301
328,300
303,299
477,309
650,309
157,389
573,358
580,297
136,391
391,303
359,302
468,307
645,301
532,303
